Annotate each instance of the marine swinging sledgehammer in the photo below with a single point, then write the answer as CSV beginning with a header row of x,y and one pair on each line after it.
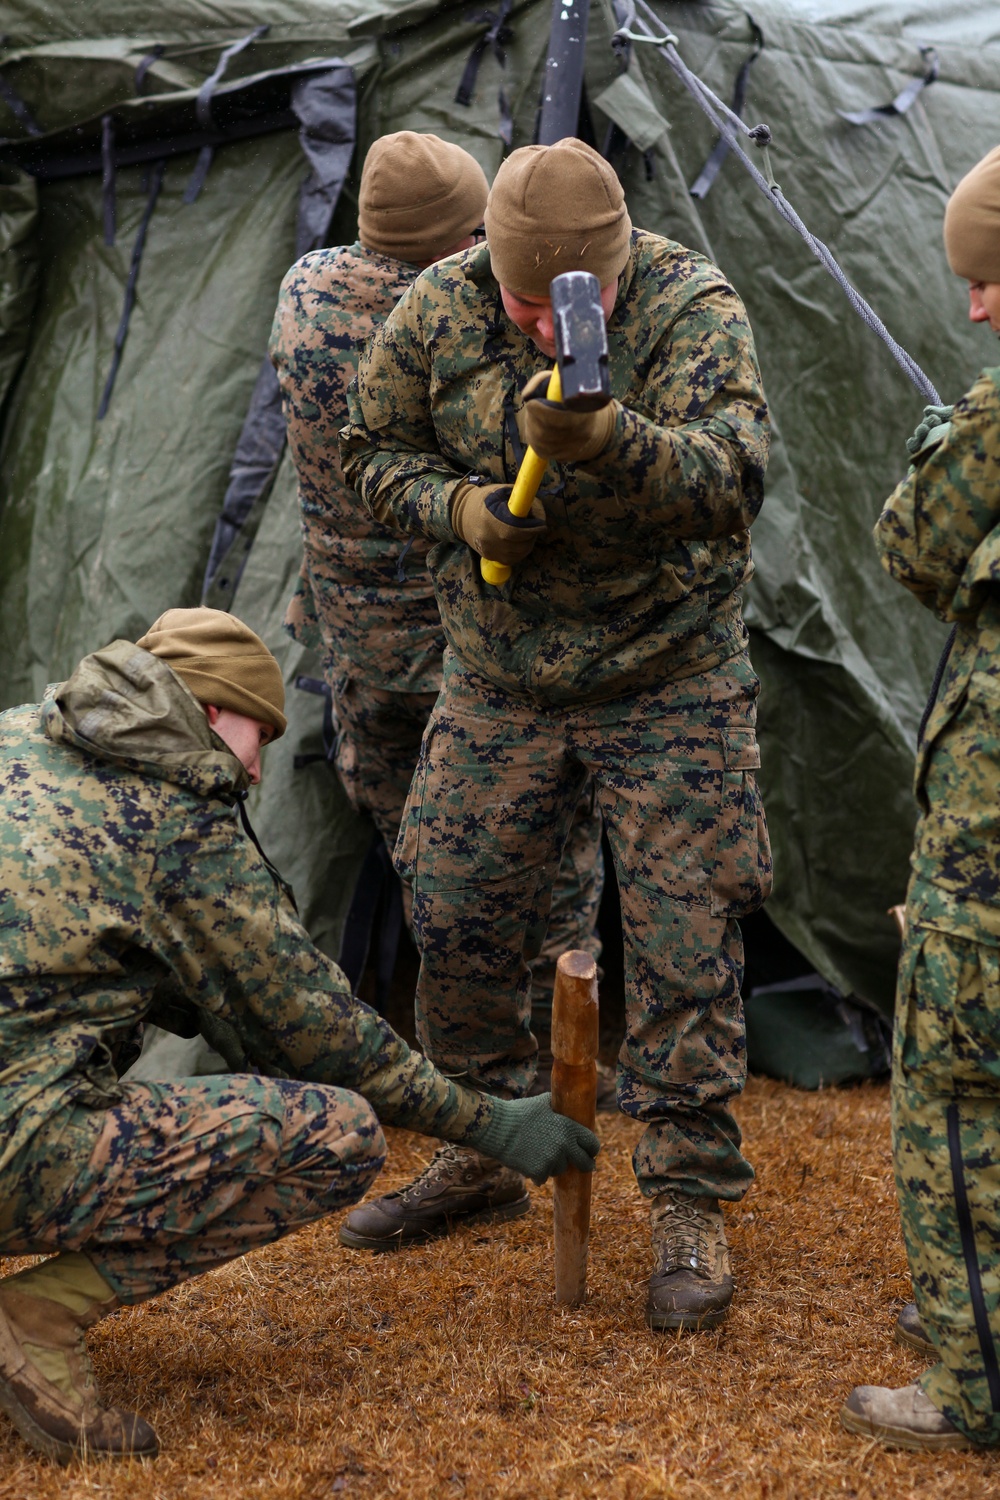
x,y
580,381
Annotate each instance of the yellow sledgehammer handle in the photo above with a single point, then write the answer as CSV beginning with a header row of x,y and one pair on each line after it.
x,y
529,477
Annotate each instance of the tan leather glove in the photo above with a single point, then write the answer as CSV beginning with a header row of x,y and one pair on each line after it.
x,y
480,516
568,437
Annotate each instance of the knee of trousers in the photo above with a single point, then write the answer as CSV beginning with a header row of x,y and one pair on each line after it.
x,y
344,1156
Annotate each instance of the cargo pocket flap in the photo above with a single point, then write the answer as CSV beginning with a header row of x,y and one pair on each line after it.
x,y
742,750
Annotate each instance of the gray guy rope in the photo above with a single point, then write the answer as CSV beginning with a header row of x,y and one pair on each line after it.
x,y
727,123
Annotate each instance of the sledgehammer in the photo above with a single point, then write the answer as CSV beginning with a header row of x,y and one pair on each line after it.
x,y
581,380
574,1093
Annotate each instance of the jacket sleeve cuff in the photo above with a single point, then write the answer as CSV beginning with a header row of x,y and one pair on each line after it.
x,y
472,1117
607,465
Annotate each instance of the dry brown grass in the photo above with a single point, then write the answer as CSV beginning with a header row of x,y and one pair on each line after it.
x,y
307,1370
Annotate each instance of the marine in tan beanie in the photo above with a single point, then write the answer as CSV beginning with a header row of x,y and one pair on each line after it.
x,y
228,669
624,593
552,209
972,237
420,197
937,536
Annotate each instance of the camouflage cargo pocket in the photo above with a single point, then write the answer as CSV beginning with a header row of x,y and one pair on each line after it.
x,y
949,1000
741,878
407,849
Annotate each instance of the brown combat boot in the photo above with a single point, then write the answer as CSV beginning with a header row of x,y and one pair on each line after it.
x,y
47,1385
904,1418
691,1287
911,1332
458,1186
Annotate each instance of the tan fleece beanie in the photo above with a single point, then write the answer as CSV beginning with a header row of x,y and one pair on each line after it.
x,y
972,222
553,209
222,661
419,196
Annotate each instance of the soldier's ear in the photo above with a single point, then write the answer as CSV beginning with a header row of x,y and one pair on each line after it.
x,y
212,714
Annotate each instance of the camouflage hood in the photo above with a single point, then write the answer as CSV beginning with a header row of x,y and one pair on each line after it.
x,y
125,706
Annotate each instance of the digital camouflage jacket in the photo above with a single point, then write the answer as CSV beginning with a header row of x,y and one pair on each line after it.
x,y
127,886
939,535
350,603
638,578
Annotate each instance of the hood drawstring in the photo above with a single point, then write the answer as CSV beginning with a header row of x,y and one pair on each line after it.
x,y
241,798
275,873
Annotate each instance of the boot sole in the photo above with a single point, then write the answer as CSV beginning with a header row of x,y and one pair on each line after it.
x,y
910,1341
438,1232
55,1448
902,1437
666,1322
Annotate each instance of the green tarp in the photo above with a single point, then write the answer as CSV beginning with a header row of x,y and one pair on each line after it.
x,y
104,524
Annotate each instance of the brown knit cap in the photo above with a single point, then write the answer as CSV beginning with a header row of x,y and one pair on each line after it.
x,y
972,222
222,661
419,196
552,209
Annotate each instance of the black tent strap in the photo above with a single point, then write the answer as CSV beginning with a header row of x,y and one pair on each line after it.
x,y
203,108
325,107
372,891
108,178
203,105
390,932
196,181
615,142
160,125
258,451
145,65
155,183
51,168
903,100
232,545
320,689
703,182
727,123
378,896
18,108
505,129
496,35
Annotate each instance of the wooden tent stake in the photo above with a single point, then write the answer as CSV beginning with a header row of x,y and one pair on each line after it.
x,y
574,1093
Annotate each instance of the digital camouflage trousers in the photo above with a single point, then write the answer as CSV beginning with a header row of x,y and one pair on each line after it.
x,y
946,1155
378,746
181,1177
487,819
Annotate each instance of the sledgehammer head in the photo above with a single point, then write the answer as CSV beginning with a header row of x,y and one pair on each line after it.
x,y
581,340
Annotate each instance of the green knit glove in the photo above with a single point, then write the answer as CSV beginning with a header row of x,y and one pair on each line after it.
x,y
525,1134
931,428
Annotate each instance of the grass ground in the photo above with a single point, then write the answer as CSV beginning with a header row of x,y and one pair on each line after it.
x,y
308,1370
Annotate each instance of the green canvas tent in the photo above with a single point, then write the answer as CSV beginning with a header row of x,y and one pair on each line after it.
x,y
160,168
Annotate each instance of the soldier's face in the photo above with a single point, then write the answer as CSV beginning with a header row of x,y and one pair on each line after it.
x,y
244,736
984,303
533,315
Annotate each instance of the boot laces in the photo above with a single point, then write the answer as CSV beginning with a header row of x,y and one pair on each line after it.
x,y
448,1161
681,1233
